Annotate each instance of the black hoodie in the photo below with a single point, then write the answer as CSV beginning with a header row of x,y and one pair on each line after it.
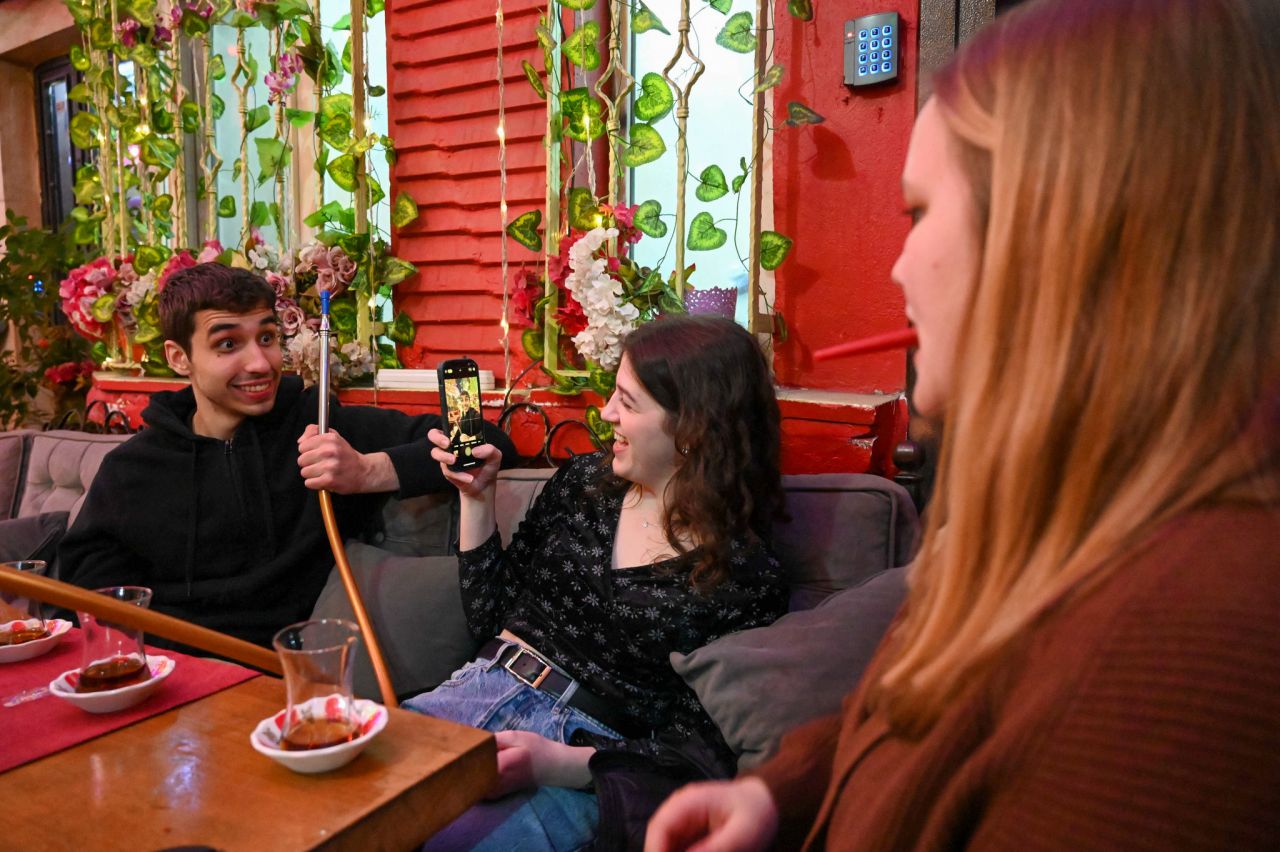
x,y
225,533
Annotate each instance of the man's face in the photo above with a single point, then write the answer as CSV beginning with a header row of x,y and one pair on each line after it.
x,y
234,367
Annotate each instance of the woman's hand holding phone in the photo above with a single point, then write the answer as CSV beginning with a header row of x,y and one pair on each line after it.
x,y
474,482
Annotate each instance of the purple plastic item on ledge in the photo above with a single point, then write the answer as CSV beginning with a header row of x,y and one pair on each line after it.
x,y
722,301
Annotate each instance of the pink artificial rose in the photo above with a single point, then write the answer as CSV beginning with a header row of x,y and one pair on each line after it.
x,y
291,316
282,285
210,252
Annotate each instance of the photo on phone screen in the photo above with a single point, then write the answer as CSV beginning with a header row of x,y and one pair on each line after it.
x,y
460,399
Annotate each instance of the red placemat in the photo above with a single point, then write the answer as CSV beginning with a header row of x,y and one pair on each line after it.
x,y
38,728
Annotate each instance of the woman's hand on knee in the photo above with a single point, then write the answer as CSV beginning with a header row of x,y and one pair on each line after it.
x,y
716,816
530,760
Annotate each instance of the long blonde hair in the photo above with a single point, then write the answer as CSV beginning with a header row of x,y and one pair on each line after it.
x,y
1119,362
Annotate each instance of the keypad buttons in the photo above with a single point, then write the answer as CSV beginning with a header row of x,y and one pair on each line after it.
x,y
887,54
862,34
887,29
886,42
862,70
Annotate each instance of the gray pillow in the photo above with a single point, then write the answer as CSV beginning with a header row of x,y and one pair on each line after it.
x,y
416,608
32,537
758,684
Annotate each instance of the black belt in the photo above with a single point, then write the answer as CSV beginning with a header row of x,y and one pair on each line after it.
x,y
539,673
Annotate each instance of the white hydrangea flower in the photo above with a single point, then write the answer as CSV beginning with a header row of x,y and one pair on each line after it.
x,y
609,320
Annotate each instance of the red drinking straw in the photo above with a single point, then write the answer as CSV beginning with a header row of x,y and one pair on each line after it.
x,y
904,338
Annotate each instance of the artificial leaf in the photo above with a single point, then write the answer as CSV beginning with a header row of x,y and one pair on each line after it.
x,y
403,330
256,117
376,192
84,130
343,172
373,7
80,93
194,24
219,106
299,117
190,112
647,219
580,5
343,314
774,248
771,78
535,80
584,214
645,146
721,6
713,184
79,59
584,113
405,211
327,213
332,66
524,230
801,9
291,9
158,151
377,91
226,206
645,20
235,169
343,23
100,34
259,214
147,258
580,47
217,67
704,235
346,56
103,308
739,180
143,11
599,427
737,35
655,99
545,38
798,114
273,155
335,120
532,340
669,304
397,270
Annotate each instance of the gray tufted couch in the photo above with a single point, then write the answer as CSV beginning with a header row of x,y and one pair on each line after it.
x,y
846,536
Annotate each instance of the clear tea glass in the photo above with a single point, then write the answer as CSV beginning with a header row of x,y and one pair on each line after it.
x,y
317,659
114,655
21,619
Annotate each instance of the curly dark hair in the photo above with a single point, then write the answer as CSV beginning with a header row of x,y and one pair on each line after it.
x,y
713,380
207,286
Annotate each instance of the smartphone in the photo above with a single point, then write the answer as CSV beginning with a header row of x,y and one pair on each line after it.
x,y
460,410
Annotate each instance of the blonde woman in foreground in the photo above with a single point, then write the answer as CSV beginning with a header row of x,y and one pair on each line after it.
x,y
1090,653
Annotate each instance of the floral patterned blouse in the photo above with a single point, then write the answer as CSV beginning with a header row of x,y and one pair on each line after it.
x,y
612,629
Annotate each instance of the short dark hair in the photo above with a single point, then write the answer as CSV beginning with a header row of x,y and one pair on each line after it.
x,y
209,286
713,379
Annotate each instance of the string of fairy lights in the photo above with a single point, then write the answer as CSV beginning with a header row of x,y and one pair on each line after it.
x,y
502,201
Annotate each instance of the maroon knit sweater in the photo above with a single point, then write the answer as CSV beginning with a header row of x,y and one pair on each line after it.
x,y
1145,715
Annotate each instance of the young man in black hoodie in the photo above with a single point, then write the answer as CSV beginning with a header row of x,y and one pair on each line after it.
x,y
214,505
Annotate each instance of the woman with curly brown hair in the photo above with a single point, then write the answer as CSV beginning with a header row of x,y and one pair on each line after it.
x,y
657,547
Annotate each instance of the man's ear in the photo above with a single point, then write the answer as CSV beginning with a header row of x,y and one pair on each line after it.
x,y
177,357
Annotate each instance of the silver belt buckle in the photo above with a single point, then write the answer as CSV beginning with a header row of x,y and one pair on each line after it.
x,y
536,682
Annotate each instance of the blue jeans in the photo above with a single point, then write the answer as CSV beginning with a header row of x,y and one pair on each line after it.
x,y
487,696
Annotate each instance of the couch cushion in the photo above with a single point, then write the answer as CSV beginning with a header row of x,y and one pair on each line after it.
x,y
416,608
60,467
517,489
844,528
12,452
758,684
419,526
32,537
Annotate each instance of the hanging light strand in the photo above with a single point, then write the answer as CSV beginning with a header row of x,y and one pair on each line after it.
x,y
502,203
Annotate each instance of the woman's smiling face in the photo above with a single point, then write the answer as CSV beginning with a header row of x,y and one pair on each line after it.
x,y
644,451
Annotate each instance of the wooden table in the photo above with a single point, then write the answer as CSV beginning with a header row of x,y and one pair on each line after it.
x,y
190,777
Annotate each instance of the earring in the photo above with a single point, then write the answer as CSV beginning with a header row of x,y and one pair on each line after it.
x,y
684,451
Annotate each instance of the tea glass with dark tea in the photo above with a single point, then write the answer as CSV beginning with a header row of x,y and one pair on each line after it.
x,y
21,619
317,659
114,655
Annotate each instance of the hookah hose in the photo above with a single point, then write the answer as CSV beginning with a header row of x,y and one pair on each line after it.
x,y
331,526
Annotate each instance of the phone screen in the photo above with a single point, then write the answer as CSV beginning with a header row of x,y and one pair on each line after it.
x,y
460,398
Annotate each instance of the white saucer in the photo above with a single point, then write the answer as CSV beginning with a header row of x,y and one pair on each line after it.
x,y
111,700
36,647
265,739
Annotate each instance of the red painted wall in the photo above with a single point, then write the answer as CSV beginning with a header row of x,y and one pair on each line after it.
x,y
836,192
443,112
